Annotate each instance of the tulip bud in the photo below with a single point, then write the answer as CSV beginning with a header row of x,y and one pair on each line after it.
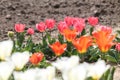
x,y
30,31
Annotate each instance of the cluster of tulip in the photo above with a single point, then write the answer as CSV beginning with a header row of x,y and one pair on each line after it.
x,y
77,38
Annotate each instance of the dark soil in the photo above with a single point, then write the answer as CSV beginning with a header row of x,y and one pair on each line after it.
x,y
30,12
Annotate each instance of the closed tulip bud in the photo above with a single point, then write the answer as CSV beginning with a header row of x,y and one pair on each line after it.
x,y
93,21
10,34
30,31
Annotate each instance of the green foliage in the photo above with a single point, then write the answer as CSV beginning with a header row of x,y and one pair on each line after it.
x,y
108,75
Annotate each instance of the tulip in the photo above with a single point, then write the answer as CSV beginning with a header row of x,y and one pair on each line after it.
x,y
104,40
6,69
5,49
29,74
82,43
46,74
58,48
36,74
93,21
104,28
70,35
41,27
65,64
69,20
20,59
98,69
79,24
36,58
62,26
81,71
19,28
30,31
50,23
118,46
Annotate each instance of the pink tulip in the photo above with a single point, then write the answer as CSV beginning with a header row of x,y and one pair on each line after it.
x,y
106,28
79,24
69,21
41,27
30,31
19,28
50,23
62,26
118,46
93,21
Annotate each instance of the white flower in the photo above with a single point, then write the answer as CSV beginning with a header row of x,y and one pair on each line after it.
x,y
66,64
78,72
30,74
5,49
46,74
6,69
36,74
51,72
20,59
98,69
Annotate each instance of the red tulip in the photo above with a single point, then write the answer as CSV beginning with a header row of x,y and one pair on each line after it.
x,y
36,58
93,21
19,28
30,31
50,23
58,48
41,27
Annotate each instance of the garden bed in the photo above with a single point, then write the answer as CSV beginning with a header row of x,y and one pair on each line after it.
x,y
30,12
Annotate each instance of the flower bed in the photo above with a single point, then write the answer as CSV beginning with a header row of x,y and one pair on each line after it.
x,y
82,46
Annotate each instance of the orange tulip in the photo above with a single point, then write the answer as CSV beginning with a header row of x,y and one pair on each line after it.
x,y
36,58
82,43
104,40
69,34
58,48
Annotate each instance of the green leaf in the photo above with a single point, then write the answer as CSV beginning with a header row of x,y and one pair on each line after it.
x,y
108,75
61,38
111,58
44,42
118,31
83,32
91,30
89,78
117,39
